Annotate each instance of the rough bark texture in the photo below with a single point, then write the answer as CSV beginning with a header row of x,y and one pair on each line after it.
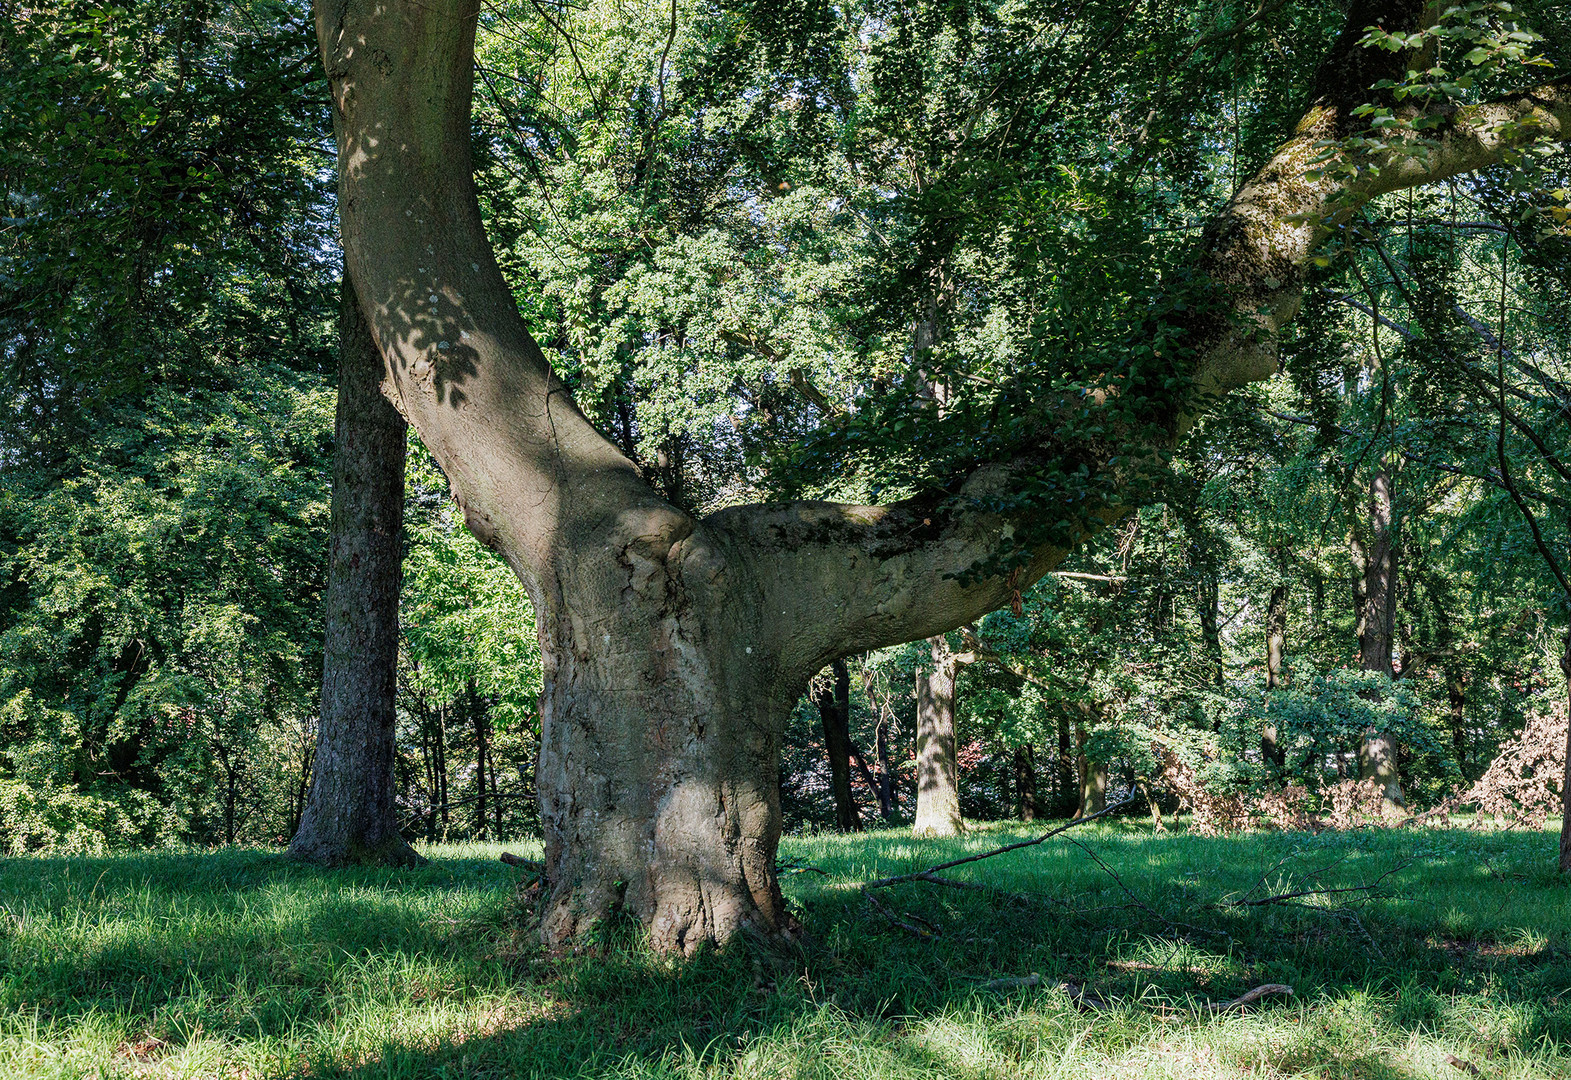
x,y
834,710
349,815
937,759
673,647
1276,643
1374,590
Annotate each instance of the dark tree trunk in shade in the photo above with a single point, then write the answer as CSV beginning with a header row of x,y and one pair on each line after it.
x,y
480,723
834,709
1456,714
349,815
880,785
937,757
1375,559
1210,629
1276,641
1026,806
1093,779
1065,790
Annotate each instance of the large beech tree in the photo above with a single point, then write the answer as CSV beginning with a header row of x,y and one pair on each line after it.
x,y
674,646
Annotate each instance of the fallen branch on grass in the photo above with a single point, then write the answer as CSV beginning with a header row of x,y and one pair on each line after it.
x,y
1249,997
931,873
894,920
523,864
1283,898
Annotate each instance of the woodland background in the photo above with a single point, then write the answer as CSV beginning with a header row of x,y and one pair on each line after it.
x,y
727,285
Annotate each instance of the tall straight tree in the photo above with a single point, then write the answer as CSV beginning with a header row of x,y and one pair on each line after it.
x,y
349,815
1375,556
674,647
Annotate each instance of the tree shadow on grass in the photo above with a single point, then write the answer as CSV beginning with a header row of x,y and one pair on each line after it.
x,y
864,996
246,945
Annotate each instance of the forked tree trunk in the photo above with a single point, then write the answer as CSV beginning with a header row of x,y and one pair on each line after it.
x,y
1026,808
834,710
937,758
1375,558
673,648
349,815
1271,751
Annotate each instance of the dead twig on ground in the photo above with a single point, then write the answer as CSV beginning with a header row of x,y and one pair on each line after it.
x,y
931,873
895,920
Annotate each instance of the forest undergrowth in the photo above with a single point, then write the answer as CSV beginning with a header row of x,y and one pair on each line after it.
x,y
1446,953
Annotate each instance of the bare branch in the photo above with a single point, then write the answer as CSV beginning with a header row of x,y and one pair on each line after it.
x,y
927,875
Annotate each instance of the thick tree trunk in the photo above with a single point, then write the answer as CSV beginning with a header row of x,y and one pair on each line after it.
x,y
658,766
937,759
834,710
349,815
1375,559
674,648
1271,751
1026,808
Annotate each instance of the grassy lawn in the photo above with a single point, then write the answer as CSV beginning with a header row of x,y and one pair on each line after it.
x,y
237,963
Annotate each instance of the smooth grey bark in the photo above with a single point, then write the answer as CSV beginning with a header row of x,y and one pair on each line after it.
x,y
674,647
834,711
937,758
1374,589
349,815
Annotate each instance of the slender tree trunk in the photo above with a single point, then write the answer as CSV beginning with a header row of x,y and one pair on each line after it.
x,y
1093,779
834,710
1375,593
440,719
1565,778
1065,789
1210,630
875,786
1025,782
1456,713
496,797
350,815
886,771
478,722
937,760
1271,751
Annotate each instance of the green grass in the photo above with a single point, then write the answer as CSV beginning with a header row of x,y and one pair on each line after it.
x,y
237,963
